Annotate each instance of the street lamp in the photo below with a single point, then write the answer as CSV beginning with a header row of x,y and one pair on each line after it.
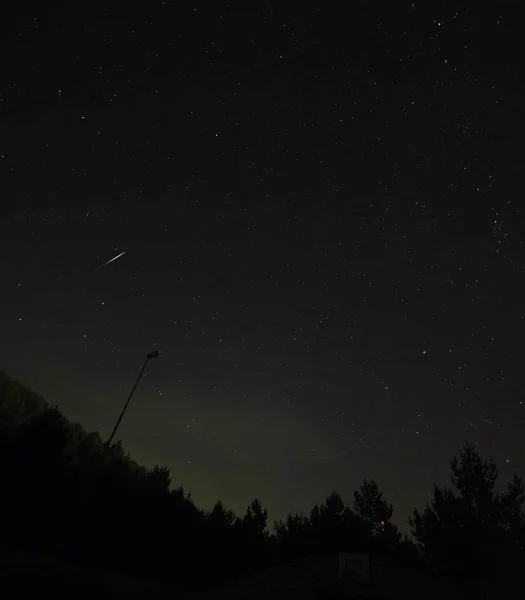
x,y
152,354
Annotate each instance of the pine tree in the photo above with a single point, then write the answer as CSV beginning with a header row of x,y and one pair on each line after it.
x,y
474,531
370,506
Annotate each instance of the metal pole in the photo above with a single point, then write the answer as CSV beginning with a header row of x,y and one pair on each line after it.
x,y
108,443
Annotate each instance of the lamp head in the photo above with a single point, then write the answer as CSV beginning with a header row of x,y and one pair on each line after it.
x,y
154,354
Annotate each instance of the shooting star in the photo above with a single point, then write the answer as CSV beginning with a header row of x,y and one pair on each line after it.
x,y
107,262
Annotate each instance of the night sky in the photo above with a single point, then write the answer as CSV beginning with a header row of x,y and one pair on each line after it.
x,y
323,221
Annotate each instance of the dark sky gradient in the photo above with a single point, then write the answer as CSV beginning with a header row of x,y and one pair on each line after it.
x,y
323,220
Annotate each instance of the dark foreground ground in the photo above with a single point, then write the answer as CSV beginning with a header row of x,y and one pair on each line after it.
x,y
29,576
24,575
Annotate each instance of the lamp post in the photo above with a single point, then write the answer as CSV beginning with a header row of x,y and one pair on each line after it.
x,y
150,355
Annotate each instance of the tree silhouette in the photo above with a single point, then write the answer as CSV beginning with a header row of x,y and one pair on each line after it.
x,y
65,492
36,487
251,537
157,481
296,526
371,507
375,515
336,528
513,519
512,504
255,519
475,480
475,533
327,523
221,518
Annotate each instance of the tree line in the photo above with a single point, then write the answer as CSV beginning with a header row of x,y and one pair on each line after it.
x,y
65,493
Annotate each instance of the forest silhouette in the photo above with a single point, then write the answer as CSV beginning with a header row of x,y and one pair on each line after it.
x,y
66,494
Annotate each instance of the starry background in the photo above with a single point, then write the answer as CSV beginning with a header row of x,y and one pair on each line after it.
x,y
323,220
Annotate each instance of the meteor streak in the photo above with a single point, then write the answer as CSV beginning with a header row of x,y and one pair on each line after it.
x,y
109,261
